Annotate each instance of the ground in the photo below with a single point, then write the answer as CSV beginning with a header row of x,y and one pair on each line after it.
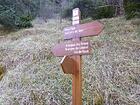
x,y
33,76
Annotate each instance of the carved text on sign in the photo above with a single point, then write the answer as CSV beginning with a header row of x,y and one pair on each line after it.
x,y
83,30
72,48
78,48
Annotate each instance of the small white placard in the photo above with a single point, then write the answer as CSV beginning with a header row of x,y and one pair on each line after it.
x,y
75,12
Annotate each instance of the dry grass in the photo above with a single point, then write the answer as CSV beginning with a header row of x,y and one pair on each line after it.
x,y
111,75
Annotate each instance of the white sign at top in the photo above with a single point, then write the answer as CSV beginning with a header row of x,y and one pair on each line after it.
x,y
76,12
76,16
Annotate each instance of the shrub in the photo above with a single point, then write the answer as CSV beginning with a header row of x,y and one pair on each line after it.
x,y
104,12
18,14
132,9
26,21
67,13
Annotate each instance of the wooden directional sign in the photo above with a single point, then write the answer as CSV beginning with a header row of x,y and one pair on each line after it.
x,y
72,51
72,48
83,30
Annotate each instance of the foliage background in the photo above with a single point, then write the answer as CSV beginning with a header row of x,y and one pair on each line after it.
x,y
18,14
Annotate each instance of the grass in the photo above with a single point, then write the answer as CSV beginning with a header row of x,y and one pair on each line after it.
x,y
110,74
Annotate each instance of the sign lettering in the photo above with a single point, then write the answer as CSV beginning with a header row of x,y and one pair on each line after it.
x,y
83,30
72,48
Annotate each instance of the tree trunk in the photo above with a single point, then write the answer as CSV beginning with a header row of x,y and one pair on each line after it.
x,y
121,11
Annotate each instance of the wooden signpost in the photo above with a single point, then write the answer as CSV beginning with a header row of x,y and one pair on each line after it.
x,y
77,76
72,51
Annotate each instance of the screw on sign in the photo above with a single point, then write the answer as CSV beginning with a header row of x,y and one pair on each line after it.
x,y
72,51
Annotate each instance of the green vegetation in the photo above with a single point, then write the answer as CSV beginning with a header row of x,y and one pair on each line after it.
x,y
132,9
104,12
86,7
90,10
18,14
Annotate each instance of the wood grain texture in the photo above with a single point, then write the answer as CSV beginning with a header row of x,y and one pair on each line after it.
x,y
77,76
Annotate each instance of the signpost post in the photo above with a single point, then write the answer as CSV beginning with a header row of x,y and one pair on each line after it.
x,y
77,76
72,51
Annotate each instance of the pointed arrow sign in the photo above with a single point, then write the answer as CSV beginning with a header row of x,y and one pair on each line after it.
x,y
83,30
72,48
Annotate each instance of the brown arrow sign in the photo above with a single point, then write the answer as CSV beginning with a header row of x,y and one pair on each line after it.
x,y
83,30
72,48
